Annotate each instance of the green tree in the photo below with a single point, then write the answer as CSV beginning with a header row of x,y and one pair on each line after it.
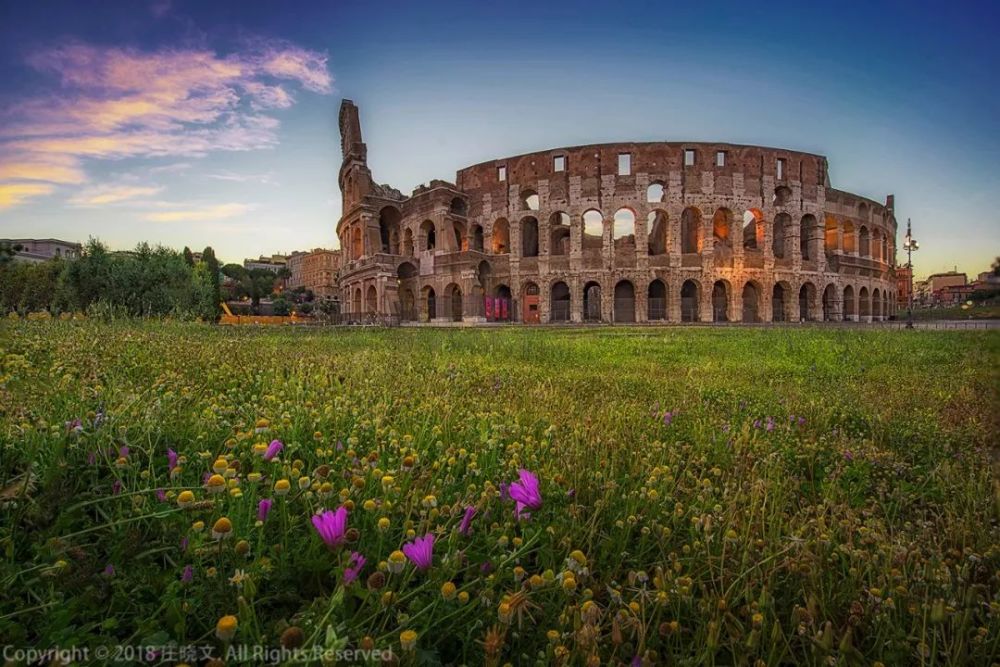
x,y
254,284
188,256
213,309
7,252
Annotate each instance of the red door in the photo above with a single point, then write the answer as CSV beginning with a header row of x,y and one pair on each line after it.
x,y
531,314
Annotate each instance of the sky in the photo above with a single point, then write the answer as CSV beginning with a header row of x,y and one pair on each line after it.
x,y
215,123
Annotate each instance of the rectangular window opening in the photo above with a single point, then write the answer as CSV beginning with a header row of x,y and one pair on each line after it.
x,y
781,169
720,159
688,157
501,173
559,163
624,164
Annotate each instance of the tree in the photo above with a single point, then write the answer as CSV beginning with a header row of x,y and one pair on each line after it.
x,y
188,256
254,284
7,252
214,308
996,266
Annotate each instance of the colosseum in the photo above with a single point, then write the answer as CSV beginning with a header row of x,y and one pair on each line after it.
x,y
624,232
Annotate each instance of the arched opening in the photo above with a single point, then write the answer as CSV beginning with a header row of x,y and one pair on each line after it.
x,y
782,195
592,302
753,229
781,302
529,237
751,303
807,232
780,232
654,193
453,294
690,301
388,228
430,302
477,238
483,274
691,230
863,211
864,305
458,206
721,229
460,241
560,304
406,271
848,304
530,306
850,242
720,301
876,304
831,242
428,235
593,230
371,300
864,242
407,305
623,230
499,306
408,242
656,301
624,302
656,231
356,302
501,237
807,301
830,303
529,200
559,233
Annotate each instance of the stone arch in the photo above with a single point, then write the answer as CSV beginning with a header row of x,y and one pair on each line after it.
x,y
864,242
753,229
655,192
592,301
408,242
530,303
356,302
624,304
559,302
371,300
428,235
458,206
848,304
807,233
691,230
864,304
388,228
407,305
850,241
690,301
459,238
720,301
751,301
529,237
830,302
876,304
476,238
406,270
656,232
656,300
782,195
831,239
559,233
501,237
357,243
807,302
863,211
453,302
484,273
722,228
428,302
781,302
593,229
529,200
623,229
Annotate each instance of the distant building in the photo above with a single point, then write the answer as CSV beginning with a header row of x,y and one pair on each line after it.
x,y
904,284
273,263
939,281
294,266
315,271
42,250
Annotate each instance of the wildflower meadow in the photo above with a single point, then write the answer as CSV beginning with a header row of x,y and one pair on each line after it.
x,y
510,496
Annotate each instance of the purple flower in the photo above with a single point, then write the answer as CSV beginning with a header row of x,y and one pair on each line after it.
x,y
420,551
486,567
187,576
123,451
848,456
526,492
273,449
466,524
636,661
802,420
756,423
116,488
667,418
331,526
75,426
109,570
171,460
354,567
504,488
770,425
184,544
161,495
263,509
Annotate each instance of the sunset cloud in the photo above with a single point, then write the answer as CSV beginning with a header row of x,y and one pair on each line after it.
x,y
12,194
116,103
112,194
200,213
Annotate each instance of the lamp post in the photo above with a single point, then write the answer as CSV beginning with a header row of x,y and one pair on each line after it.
x,y
909,245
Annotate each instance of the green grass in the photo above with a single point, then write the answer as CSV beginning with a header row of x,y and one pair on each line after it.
x,y
817,495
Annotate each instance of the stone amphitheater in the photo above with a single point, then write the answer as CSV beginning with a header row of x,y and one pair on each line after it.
x,y
624,232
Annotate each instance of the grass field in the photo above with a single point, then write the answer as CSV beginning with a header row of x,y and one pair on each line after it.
x,y
704,495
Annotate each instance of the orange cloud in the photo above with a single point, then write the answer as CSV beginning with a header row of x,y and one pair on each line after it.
x,y
12,194
118,103
112,194
197,214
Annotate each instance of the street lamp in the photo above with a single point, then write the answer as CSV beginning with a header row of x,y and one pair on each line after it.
x,y
909,245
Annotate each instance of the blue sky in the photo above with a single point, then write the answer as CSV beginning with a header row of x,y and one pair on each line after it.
x,y
198,124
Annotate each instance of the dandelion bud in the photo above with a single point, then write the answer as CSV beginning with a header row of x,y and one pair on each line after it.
x,y
225,629
397,560
282,487
222,529
185,498
448,590
292,637
216,484
407,640
376,581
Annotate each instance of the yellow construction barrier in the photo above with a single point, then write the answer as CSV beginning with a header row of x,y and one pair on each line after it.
x,y
229,318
